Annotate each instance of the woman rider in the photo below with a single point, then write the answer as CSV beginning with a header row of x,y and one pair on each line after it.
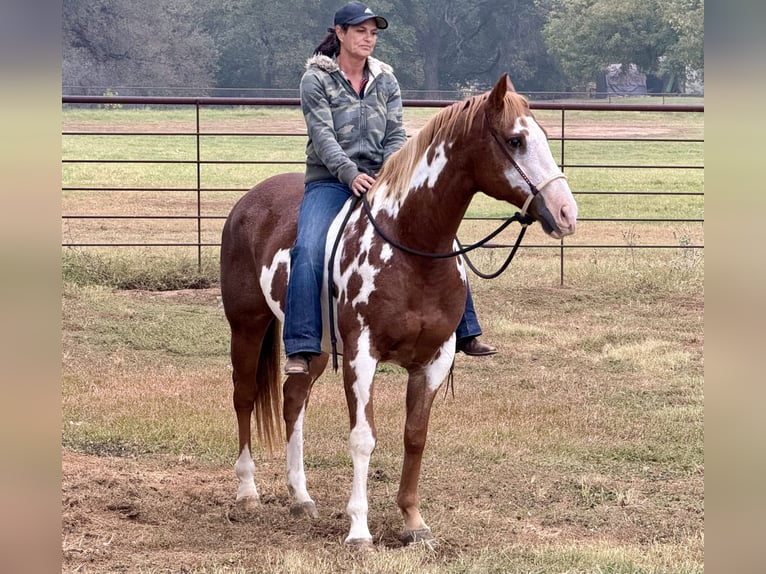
x,y
342,83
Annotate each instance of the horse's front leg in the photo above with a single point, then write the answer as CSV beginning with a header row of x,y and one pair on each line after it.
x,y
358,374
296,397
422,386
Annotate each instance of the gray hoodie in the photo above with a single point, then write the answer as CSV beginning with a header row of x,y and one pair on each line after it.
x,y
349,134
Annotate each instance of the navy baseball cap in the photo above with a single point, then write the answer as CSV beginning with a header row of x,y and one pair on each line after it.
x,y
355,13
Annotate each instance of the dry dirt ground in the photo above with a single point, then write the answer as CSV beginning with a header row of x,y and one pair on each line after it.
x,y
171,514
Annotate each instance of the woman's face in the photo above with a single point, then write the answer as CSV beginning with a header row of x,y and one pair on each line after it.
x,y
359,40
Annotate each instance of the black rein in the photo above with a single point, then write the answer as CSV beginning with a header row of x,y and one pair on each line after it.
x,y
525,220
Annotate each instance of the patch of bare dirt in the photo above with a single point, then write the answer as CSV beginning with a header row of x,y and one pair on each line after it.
x,y
210,296
122,514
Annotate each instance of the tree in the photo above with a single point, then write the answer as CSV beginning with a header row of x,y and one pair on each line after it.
x,y
687,54
507,37
259,42
145,43
448,44
585,36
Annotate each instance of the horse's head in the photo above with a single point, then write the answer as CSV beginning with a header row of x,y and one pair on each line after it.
x,y
525,172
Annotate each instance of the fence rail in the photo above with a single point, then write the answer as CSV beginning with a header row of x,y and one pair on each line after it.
x,y
564,141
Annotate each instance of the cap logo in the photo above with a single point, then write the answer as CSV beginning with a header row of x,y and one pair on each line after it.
x,y
368,11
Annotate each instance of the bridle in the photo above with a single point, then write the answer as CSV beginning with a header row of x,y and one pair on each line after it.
x,y
522,217
533,189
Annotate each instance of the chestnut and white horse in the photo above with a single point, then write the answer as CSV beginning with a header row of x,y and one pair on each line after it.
x,y
390,305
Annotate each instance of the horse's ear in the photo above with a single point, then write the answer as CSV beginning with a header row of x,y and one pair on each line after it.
x,y
496,99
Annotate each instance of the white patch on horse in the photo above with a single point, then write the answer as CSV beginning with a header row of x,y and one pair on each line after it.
x,y
332,234
296,477
437,371
428,172
388,203
536,159
386,253
537,162
460,265
360,266
266,278
361,440
245,470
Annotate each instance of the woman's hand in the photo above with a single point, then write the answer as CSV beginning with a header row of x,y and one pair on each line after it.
x,y
362,184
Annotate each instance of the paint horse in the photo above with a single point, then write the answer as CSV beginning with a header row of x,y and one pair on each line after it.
x,y
390,305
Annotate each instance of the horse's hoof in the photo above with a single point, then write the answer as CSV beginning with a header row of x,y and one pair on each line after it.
x,y
360,545
419,536
248,503
243,510
304,509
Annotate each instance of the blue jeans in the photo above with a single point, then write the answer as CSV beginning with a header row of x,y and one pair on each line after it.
x,y
302,331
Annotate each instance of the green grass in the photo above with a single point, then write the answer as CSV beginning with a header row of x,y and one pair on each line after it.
x,y
150,269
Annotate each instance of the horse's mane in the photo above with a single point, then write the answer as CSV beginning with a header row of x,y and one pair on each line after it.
x,y
449,124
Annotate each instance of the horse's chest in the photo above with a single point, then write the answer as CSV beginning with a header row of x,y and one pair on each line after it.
x,y
393,295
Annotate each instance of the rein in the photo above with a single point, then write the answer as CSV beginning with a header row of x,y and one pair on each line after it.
x,y
522,217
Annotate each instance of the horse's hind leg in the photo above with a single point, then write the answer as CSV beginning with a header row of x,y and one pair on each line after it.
x,y
247,340
296,396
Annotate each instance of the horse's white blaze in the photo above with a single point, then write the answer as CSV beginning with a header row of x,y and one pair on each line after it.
x,y
296,476
428,172
361,440
537,161
266,278
245,469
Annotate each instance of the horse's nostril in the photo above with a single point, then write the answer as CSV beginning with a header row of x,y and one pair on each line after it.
x,y
567,221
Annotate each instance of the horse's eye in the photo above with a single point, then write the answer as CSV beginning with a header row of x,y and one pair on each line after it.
x,y
516,142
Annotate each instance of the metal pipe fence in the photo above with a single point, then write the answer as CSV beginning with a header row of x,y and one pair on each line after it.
x,y
202,187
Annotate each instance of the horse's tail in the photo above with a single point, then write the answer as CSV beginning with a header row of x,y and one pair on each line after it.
x,y
268,394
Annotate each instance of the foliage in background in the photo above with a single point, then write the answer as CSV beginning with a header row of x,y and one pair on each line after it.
x,y
585,36
142,43
432,44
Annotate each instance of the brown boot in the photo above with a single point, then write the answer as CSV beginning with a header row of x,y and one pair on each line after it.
x,y
297,364
475,348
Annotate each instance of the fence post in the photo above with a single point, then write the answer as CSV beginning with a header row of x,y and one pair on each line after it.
x,y
561,167
199,191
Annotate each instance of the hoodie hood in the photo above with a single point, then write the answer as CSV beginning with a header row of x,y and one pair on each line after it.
x,y
330,65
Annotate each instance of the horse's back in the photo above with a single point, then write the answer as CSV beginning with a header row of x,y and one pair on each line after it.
x,y
261,224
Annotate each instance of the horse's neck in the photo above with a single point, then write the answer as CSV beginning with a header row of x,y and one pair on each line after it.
x,y
428,218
